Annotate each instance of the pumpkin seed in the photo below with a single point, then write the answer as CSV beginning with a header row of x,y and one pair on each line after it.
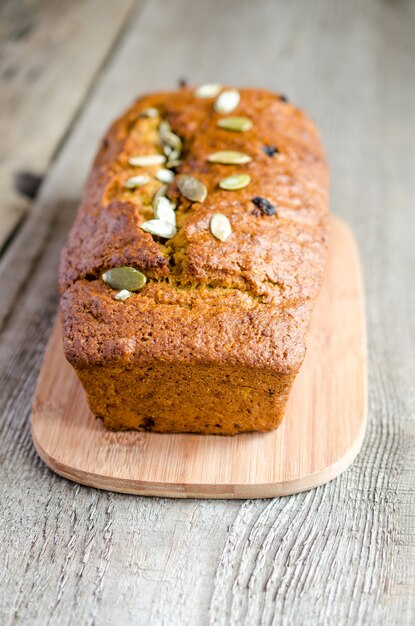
x,y
171,154
160,192
124,294
208,90
164,127
165,213
124,278
229,157
220,226
167,150
159,228
136,181
164,210
164,200
238,124
174,155
172,140
191,188
151,112
147,159
172,163
227,101
164,175
234,182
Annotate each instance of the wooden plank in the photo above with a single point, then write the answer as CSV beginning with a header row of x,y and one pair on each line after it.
x,y
342,554
327,403
50,52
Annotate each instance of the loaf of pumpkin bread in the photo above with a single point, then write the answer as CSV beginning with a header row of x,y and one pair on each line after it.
x,y
195,260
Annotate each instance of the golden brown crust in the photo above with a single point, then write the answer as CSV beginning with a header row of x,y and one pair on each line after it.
x,y
245,301
197,325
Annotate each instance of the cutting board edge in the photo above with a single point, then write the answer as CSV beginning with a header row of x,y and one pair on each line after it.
x,y
197,490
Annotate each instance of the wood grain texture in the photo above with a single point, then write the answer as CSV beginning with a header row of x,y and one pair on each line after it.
x,y
320,436
342,554
50,52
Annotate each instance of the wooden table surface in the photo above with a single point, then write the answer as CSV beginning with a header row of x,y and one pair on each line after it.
x,y
340,554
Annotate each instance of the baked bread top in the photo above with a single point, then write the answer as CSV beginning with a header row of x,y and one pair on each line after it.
x,y
247,299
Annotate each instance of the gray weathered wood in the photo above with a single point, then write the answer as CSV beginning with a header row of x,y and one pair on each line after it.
x,y
343,554
50,52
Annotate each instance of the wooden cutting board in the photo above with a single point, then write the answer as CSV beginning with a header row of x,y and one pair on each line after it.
x,y
319,438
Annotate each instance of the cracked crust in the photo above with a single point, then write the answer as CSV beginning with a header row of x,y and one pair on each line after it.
x,y
239,308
